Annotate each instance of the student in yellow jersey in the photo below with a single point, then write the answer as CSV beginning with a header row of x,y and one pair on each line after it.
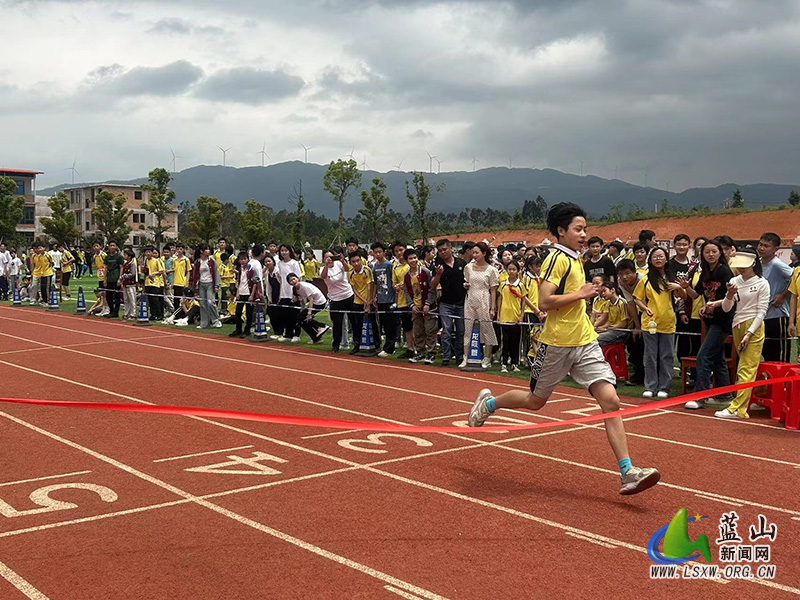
x,y
42,273
398,282
654,295
67,267
511,299
154,283
363,284
614,320
794,290
569,345
182,266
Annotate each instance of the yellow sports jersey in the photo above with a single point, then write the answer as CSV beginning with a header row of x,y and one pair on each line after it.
x,y
502,277
417,290
642,270
658,302
181,267
227,273
66,262
100,261
532,287
599,305
42,265
154,265
698,302
794,288
218,257
511,295
617,313
312,269
361,283
399,278
232,307
569,326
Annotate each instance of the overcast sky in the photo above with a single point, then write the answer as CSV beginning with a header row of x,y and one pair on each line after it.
x,y
694,93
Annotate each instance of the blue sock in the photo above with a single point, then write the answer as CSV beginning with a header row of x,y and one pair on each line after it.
x,y
491,407
624,465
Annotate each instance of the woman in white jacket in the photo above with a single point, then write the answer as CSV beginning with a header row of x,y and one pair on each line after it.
x,y
749,291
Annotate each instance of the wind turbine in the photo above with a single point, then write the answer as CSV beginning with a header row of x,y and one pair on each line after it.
x,y
350,156
364,164
644,171
263,153
475,161
399,165
666,185
582,163
174,160
439,170
430,160
306,151
73,169
224,154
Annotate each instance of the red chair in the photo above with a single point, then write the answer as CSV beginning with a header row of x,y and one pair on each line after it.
x,y
792,406
771,396
615,356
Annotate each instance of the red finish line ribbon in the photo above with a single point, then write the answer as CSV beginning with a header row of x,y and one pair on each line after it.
x,y
213,413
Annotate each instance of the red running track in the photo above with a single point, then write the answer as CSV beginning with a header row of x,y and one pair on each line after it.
x,y
145,506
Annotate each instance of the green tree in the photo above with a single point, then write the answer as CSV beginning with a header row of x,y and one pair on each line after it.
x,y
204,218
111,216
61,224
794,198
419,201
254,222
11,209
534,211
229,226
375,209
298,218
737,201
338,179
159,203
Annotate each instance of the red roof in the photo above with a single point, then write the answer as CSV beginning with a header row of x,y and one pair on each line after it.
x,y
20,171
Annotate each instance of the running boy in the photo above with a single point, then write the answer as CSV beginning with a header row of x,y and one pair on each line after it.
x,y
569,345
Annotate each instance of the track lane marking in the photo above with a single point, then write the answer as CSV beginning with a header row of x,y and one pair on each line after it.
x,y
160,460
20,583
43,478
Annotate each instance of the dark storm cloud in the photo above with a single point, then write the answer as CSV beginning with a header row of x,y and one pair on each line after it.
x,y
249,86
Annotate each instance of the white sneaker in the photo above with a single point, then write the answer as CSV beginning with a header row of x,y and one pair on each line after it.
x,y
647,394
479,413
638,480
323,331
383,354
199,326
181,322
282,339
217,324
463,364
726,414
663,395
274,337
515,368
295,339
695,404
486,363
504,369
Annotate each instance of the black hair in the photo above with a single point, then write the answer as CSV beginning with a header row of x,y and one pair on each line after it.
x,y
607,283
594,240
772,238
258,250
645,235
533,261
515,263
681,236
618,245
377,245
409,252
626,264
561,215
425,249
290,275
725,240
289,248
697,239
351,240
640,246
224,256
397,243
241,255
353,254
653,276
112,241
485,250
705,268
443,242
129,252
222,239
469,245
796,252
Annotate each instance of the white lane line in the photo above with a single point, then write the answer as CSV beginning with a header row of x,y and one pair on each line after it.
x,y
443,490
18,582
588,539
497,443
704,497
159,460
232,515
401,593
320,435
43,478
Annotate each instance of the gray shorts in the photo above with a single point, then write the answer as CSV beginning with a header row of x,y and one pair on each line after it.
x,y
585,364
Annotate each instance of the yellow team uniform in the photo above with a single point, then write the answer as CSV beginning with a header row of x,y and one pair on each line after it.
x,y
311,268
361,283
154,265
66,262
617,313
227,274
567,327
794,288
399,278
181,267
511,304
42,265
698,302
532,286
658,302
100,265
599,305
